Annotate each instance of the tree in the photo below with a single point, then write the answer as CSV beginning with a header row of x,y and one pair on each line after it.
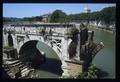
x,y
58,16
95,16
108,15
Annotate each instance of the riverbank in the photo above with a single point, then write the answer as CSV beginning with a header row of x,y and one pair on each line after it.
x,y
103,29
105,59
92,73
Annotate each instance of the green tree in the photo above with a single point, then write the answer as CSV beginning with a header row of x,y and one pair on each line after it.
x,y
95,16
108,15
58,16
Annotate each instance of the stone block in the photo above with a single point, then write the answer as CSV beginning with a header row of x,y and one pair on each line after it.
x,y
11,53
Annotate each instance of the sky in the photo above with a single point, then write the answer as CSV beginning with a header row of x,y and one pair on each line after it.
x,y
29,10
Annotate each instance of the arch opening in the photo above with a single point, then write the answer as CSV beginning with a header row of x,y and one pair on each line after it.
x,y
33,55
10,40
30,54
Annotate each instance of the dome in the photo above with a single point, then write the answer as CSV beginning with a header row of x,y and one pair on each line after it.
x,y
87,10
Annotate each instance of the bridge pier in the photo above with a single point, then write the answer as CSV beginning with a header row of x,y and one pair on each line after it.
x,y
14,41
5,39
65,55
77,57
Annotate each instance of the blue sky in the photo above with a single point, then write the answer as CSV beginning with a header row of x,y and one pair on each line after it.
x,y
28,10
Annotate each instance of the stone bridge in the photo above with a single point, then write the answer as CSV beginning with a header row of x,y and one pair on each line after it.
x,y
24,33
54,35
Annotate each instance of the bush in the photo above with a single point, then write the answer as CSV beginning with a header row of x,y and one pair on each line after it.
x,y
92,73
67,77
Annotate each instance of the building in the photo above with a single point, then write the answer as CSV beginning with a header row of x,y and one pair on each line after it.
x,y
45,18
87,10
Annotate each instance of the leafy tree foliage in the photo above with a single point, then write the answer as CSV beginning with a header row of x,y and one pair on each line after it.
x,y
92,73
108,15
58,16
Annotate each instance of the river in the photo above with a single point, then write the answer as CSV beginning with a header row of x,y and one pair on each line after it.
x,y
105,59
52,67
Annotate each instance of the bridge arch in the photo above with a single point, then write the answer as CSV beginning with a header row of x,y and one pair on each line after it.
x,y
30,48
28,45
30,54
10,40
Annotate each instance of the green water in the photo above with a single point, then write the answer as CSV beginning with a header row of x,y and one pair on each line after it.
x,y
105,59
52,67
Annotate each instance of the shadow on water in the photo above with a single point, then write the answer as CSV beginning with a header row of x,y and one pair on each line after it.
x,y
51,65
102,73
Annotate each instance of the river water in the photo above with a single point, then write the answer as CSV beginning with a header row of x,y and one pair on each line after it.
x,y
52,67
105,59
